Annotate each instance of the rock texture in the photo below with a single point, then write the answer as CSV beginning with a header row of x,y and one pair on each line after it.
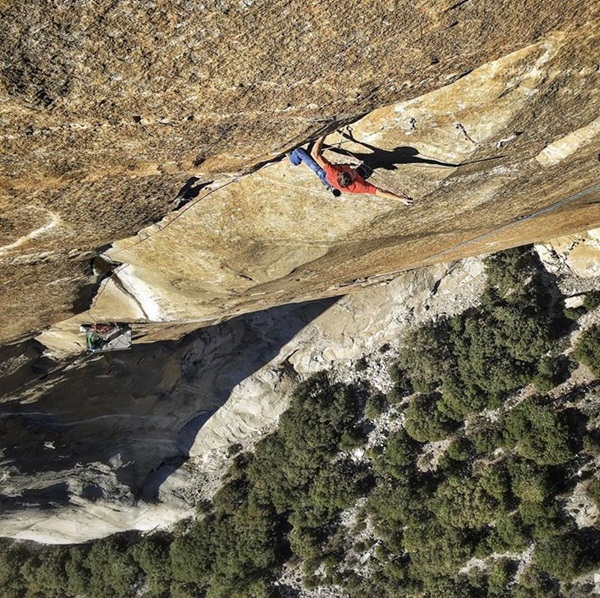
x,y
473,154
486,113
578,253
107,109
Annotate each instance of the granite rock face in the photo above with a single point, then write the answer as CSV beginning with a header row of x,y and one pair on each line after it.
x,y
485,112
108,109
577,253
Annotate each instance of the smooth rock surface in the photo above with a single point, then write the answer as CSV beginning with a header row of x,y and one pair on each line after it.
x,y
579,253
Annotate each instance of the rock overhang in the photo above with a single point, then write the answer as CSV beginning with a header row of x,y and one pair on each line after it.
x,y
485,174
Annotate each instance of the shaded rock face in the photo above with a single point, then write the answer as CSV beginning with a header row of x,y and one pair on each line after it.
x,y
90,447
107,109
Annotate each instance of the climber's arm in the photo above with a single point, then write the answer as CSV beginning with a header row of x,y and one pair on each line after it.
x,y
405,199
317,152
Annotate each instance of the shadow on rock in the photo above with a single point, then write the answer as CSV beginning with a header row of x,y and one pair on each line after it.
x,y
123,422
378,158
387,159
53,496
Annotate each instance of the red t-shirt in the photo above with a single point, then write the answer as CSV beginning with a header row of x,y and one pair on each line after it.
x,y
358,185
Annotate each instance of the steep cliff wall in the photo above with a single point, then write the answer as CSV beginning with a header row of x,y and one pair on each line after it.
x,y
486,114
108,108
487,158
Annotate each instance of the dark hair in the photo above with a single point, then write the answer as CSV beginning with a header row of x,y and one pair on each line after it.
x,y
344,179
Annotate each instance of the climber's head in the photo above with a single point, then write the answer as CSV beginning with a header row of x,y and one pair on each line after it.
x,y
344,179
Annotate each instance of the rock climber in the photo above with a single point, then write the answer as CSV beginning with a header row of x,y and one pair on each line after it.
x,y
347,178
300,155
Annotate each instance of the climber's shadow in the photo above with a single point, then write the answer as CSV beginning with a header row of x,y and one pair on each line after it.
x,y
390,159
189,191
